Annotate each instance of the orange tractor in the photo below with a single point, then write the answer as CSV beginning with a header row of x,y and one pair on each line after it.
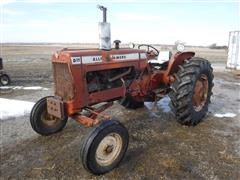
x,y
87,81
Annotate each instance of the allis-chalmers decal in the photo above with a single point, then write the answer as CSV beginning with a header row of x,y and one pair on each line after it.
x,y
95,59
86,59
118,57
125,56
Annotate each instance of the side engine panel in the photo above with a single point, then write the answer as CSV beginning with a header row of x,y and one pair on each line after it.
x,y
108,79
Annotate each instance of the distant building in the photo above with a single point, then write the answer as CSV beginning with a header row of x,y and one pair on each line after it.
x,y
233,60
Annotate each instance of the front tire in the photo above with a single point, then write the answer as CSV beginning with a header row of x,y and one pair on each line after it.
x,y
104,147
192,90
44,123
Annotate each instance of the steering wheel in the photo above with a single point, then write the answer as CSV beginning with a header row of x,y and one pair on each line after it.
x,y
153,49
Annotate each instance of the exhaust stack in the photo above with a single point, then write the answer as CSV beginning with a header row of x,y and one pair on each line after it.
x,y
104,31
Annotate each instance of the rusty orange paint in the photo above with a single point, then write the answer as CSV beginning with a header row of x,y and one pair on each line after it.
x,y
71,85
175,60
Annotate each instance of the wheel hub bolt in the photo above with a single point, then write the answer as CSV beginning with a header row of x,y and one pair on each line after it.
x,y
109,149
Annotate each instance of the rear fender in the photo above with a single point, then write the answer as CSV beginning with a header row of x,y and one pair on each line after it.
x,y
176,60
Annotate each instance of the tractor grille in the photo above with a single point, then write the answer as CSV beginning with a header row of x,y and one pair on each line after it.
x,y
63,81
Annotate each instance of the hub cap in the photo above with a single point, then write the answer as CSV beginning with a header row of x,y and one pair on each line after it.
x,y
109,149
49,120
200,93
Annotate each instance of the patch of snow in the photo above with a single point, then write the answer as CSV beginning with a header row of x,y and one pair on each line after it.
x,y
24,88
236,83
5,87
163,104
17,87
225,115
12,108
33,88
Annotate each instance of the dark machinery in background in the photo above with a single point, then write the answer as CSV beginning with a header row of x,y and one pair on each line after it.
x,y
4,78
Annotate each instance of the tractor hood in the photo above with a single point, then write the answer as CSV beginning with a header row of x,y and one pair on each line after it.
x,y
90,56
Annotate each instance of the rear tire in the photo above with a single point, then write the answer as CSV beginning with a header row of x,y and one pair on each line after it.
x,y
129,103
4,80
191,91
42,122
104,147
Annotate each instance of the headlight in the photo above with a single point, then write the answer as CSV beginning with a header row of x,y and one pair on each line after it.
x,y
180,47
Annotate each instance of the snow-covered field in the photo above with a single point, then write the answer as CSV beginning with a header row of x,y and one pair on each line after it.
x,y
23,88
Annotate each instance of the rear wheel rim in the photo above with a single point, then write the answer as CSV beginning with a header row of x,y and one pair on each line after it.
x,y
200,93
109,149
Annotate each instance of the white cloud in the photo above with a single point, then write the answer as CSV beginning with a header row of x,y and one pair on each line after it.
x,y
60,22
62,29
169,33
9,12
42,1
130,16
128,27
73,29
49,1
4,2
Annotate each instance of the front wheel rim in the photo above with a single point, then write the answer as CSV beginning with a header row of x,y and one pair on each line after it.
x,y
109,149
200,93
49,120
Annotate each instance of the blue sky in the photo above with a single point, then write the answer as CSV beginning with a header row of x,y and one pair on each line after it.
x,y
194,22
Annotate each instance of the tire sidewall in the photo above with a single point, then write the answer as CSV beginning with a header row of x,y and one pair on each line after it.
x,y
92,145
37,124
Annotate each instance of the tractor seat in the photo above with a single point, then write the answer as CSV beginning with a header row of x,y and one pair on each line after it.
x,y
162,60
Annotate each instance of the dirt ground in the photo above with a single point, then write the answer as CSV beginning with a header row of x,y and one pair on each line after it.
x,y
159,147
